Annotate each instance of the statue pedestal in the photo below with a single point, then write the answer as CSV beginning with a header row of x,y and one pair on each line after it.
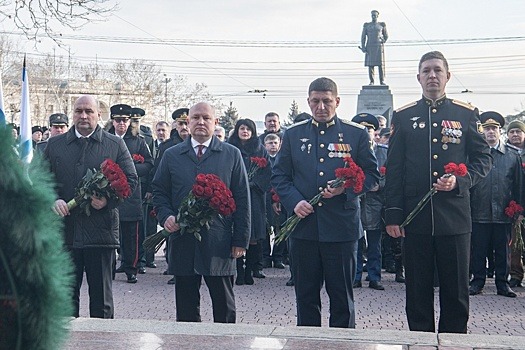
x,y
376,100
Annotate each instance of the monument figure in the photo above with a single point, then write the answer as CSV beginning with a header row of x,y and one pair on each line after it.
x,y
372,44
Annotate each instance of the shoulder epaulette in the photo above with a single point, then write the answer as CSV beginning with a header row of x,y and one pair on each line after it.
x,y
352,123
380,145
296,124
408,105
463,104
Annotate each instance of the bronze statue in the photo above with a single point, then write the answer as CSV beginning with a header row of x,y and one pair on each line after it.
x,y
372,42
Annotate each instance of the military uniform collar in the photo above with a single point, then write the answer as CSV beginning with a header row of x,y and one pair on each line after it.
x,y
328,124
434,103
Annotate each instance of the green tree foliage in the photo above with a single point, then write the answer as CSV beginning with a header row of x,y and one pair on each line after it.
x,y
229,118
294,111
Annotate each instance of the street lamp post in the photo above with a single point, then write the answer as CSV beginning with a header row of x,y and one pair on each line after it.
x,y
166,80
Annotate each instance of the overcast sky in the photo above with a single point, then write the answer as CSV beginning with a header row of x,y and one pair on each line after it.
x,y
293,36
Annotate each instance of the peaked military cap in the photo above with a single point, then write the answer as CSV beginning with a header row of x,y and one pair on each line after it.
x,y
58,119
120,109
492,119
36,128
137,113
181,114
384,132
367,119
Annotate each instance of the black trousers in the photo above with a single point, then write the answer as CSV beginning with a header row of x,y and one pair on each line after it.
x,y
98,264
188,298
496,236
450,255
333,263
129,245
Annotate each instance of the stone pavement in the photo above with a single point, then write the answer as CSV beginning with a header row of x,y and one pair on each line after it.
x,y
495,321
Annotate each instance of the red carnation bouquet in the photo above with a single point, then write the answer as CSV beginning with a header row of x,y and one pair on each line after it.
x,y
256,163
208,197
450,169
110,182
349,176
138,158
513,211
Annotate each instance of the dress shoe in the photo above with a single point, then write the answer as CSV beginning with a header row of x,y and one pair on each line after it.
x,y
267,264
141,270
357,284
290,282
151,265
239,280
120,269
390,269
367,278
475,290
514,282
248,278
376,285
258,274
507,292
279,265
172,281
132,278
400,277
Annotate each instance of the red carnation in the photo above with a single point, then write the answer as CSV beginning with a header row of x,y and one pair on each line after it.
x,y
138,158
198,190
382,171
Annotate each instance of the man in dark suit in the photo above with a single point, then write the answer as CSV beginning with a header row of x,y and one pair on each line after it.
x,y
91,240
324,244
227,239
425,136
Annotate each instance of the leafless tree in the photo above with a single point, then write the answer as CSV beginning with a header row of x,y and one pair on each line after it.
x,y
35,17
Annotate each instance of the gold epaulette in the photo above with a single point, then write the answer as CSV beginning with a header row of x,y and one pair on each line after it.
x,y
296,124
463,104
408,105
352,123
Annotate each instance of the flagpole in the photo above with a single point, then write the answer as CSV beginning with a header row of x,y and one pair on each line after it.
x,y
2,113
26,142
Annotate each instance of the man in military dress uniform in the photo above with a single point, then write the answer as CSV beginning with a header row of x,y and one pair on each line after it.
x,y
324,243
427,135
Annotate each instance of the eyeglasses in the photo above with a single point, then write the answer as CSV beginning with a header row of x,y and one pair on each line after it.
x,y
121,120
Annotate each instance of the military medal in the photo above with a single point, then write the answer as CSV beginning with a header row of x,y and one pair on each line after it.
x,y
340,137
303,147
421,125
414,119
309,147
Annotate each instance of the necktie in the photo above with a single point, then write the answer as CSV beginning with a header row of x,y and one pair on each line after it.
x,y
199,151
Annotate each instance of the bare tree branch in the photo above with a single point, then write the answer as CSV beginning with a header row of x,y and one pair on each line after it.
x,y
34,17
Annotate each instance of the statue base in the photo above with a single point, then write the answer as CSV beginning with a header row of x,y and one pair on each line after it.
x,y
376,100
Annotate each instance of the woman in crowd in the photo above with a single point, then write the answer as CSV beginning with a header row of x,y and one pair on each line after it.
x,y
245,138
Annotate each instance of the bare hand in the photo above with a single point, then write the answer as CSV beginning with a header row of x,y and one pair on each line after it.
x,y
148,196
446,183
330,192
303,209
98,202
60,208
395,231
276,208
171,225
237,252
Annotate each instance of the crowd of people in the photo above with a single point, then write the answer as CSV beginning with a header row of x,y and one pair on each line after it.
x,y
347,233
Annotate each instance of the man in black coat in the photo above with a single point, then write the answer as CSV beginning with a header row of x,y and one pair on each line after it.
x,y
130,211
323,246
425,136
491,228
227,238
91,240
272,125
